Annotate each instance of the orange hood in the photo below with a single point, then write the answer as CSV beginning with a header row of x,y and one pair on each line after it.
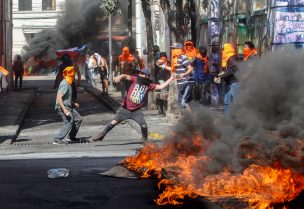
x,y
228,51
69,74
175,53
126,56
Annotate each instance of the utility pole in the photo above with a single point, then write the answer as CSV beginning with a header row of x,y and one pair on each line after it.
x,y
130,15
111,87
139,26
111,7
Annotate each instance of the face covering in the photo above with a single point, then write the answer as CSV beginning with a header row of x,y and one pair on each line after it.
x,y
143,81
248,52
69,74
175,53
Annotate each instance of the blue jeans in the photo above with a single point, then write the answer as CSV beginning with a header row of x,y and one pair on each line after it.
x,y
231,95
71,125
184,94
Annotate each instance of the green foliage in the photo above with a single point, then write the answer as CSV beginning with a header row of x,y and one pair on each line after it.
x,y
110,6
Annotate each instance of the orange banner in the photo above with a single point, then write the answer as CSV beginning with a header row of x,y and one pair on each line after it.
x,y
4,71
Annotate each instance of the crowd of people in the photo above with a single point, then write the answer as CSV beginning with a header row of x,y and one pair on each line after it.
x,y
199,78
210,81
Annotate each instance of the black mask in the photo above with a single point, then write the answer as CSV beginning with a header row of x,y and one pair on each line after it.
x,y
143,81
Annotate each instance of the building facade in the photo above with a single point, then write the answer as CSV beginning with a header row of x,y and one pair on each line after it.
x,y
6,34
32,16
269,24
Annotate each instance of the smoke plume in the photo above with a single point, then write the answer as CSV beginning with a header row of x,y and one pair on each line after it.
x,y
78,24
265,125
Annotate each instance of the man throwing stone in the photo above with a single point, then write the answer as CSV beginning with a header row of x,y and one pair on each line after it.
x,y
133,102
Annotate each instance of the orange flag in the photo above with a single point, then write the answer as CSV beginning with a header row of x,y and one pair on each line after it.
x,y
4,71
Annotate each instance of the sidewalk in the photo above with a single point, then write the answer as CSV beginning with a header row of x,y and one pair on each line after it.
x,y
13,107
157,126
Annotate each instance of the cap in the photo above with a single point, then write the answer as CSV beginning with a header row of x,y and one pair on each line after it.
x,y
145,71
177,46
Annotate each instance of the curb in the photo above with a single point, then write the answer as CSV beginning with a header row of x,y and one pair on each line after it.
x,y
107,100
20,118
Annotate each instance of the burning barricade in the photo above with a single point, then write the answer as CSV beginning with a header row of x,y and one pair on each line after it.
x,y
254,154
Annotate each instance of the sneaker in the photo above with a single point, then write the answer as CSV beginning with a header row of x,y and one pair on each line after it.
x,y
98,137
78,140
61,142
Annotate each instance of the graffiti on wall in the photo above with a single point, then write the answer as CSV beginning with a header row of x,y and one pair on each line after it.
x,y
203,8
288,25
227,7
288,2
214,8
213,24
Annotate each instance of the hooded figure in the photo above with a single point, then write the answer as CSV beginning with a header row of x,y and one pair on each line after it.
x,y
191,52
126,56
126,63
65,106
229,68
228,52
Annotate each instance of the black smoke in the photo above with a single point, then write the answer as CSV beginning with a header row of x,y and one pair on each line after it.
x,y
76,26
265,125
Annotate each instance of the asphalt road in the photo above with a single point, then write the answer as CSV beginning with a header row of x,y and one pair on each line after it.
x,y
24,184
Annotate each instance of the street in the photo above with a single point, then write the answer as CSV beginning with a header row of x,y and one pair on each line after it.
x,y
42,123
25,162
24,184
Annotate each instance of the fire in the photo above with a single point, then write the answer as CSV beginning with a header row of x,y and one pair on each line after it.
x,y
177,169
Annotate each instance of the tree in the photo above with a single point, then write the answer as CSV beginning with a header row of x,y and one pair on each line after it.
x,y
182,20
110,6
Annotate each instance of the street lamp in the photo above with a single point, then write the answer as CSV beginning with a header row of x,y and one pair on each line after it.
x,y
111,7
111,87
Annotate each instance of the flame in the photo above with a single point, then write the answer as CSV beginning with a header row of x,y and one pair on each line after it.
x,y
177,169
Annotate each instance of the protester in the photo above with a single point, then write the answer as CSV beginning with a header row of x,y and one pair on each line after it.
x,y
230,67
181,65
202,78
18,69
138,61
104,75
200,71
214,71
126,62
133,102
68,62
162,74
65,106
89,71
190,51
249,51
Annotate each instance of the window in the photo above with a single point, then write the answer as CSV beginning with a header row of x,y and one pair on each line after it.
x,y
48,4
25,5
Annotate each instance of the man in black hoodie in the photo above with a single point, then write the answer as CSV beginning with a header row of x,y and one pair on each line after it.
x,y
229,68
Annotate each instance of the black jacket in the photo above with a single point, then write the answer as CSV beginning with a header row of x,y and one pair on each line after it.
x,y
229,72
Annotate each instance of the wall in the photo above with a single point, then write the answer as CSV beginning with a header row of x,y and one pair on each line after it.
x,y
6,35
27,23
